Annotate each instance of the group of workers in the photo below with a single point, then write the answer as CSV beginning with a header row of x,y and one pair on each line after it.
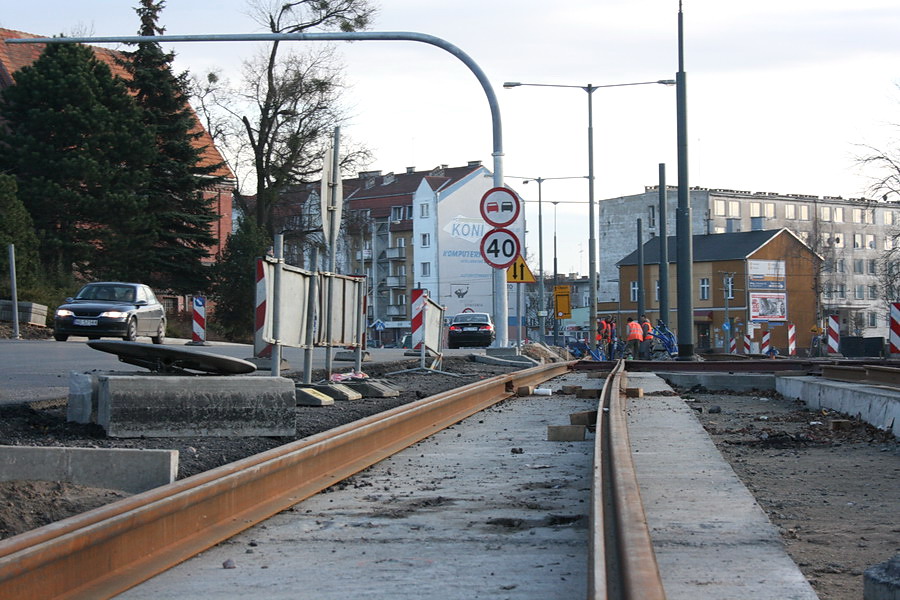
x,y
637,336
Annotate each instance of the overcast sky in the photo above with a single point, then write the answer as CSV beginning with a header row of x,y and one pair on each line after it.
x,y
782,95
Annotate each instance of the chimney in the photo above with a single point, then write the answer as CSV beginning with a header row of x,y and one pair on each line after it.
x,y
410,170
474,163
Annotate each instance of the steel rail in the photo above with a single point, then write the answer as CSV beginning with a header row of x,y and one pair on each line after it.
x,y
622,563
104,552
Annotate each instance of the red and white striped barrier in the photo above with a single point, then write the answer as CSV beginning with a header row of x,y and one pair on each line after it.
x,y
261,348
792,340
198,334
834,334
747,344
417,323
895,328
732,345
765,343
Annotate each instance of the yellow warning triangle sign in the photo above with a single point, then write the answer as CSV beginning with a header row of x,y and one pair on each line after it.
x,y
518,272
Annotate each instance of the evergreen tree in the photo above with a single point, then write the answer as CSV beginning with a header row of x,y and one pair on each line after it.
x,y
16,228
178,232
76,144
234,284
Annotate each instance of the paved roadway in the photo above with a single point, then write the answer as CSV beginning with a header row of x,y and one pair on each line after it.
x,y
39,369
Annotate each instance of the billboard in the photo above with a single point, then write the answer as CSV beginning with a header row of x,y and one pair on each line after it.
x,y
768,306
766,275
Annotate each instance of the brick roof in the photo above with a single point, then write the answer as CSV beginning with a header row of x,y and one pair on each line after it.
x,y
15,56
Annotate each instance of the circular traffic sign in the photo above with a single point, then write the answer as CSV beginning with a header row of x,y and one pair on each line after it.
x,y
500,207
500,247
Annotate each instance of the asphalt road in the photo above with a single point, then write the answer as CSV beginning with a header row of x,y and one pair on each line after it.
x,y
39,369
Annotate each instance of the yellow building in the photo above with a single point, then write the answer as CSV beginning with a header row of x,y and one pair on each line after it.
x,y
755,281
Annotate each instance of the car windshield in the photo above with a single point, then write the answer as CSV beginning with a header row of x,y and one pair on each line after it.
x,y
107,292
472,318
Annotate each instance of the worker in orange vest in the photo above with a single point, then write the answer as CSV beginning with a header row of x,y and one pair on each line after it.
x,y
634,335
645,344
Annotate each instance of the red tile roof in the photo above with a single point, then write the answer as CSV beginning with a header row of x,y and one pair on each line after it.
x,y
15,56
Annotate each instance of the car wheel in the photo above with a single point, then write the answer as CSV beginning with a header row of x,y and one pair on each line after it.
x,y
130,331
160,336
60,337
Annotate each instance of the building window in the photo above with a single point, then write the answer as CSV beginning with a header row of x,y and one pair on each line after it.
x,y
755,209
839,265
423,210
790,211
857,215
857,239
704,288
401,242
426,269
634,291
828,266
804,212
888,242
828,291
837,214
719,208
888,217
718,229
400,271
872,265
770,210
870,241
858,265
841,291
397,213
426,240
873,319
729,288
869,216
734,209
400,300
409,211
873,292
651,216
825,213
859,292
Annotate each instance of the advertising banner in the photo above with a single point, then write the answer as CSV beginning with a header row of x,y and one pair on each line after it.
x,y
768,306
766,275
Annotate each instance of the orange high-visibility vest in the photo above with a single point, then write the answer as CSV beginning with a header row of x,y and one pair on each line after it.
x,y
635,331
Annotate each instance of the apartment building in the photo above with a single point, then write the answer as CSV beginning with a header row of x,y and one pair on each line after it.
x,y
851,236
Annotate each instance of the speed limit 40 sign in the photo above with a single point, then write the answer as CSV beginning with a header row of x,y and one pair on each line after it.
x,y
500,247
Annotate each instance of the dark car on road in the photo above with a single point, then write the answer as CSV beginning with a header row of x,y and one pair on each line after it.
x,y
111,309
471,329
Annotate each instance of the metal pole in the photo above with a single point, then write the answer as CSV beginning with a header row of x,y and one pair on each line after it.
x,y
276,306
555,282
683,215
312,295
332,250
592,239
663,246
360,325
640,270
14,293
542,294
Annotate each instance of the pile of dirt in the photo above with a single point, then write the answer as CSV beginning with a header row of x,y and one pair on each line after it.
x,y
27,331
26,505
828,481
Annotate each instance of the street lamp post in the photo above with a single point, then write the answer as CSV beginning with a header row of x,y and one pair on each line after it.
x,y
542,294
592,240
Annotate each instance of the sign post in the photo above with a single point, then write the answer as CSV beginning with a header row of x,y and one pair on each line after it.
x,y
500,207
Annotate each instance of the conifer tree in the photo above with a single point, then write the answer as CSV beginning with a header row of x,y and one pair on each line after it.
x,y
178,233
16,228
74,140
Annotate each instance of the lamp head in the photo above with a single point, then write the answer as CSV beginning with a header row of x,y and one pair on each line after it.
x,y
511,84
667,82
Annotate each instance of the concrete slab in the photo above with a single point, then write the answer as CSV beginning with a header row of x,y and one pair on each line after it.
x,y
337,391
373,388
876,405
506,360
125,469
712,540
309,396
184,406
738,382
350,355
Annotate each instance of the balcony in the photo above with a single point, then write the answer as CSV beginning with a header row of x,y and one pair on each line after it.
x,y
362,255
398,253
396,310
395,281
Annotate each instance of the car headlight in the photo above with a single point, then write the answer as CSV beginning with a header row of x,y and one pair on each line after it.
x,y
62,312
113,314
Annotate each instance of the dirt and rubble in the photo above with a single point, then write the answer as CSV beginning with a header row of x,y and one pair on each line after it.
x,y
829,482
831,489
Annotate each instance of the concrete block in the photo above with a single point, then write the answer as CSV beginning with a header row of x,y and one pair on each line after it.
x,y
308,396
565,433
587,418
588,393
373,388
525,390
28,312
882,581
125,469
337,391
721,381
82,405
350,355
185,406
634,392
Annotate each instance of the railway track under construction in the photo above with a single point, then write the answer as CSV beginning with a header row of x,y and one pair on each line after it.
x,y
106,551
